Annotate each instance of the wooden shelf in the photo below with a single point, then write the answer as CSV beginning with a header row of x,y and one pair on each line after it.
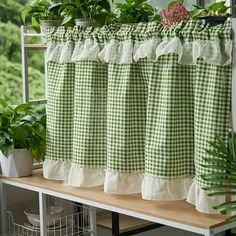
x,y
170,212
127,223
36,46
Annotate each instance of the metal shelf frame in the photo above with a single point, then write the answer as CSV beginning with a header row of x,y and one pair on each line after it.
x,y
25,48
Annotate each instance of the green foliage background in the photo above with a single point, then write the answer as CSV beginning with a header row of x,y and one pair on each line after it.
x,y
10,56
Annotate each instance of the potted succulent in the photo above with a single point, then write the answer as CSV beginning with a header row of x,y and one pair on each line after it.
x,y
174,13
213,14
135,11
43,13
223,160
85,12
22,138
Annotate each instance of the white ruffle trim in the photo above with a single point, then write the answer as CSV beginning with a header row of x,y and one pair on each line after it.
x,y
198,197
213,52
156,188
122,183
152,188
85,177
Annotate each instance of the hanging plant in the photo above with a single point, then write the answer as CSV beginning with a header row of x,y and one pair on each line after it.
x,y
175,13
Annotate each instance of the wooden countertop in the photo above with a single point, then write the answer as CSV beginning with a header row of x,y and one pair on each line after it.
x,y
178,211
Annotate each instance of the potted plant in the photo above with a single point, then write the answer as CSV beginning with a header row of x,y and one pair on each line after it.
x,y
22,138
43,13
85,12
213,14
174,13
223,179
135,11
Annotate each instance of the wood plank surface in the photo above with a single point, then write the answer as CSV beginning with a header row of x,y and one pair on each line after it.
x,y
178,211
126,223
36,46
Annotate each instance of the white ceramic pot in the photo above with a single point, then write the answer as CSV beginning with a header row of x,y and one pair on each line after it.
x,y
85,23
48,23
18,164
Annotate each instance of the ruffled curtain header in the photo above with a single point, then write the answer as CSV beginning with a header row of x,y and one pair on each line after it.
x,y
127,44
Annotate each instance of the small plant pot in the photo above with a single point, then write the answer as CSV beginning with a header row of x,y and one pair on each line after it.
x,y
85,23
214,20
18,164
48,23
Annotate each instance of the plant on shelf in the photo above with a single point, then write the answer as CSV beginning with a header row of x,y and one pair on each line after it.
x,y
215,13
135,11
175,13
85,12
22,137
223,179
42,12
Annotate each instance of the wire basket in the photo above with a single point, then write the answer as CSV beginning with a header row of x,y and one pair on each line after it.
x,y
74,222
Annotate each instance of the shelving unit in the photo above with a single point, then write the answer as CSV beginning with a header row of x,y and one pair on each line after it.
x,y
177,214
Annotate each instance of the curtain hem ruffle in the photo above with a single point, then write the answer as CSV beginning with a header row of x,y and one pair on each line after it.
x,y
203,203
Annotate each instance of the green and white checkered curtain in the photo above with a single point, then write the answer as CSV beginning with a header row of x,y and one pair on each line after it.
x,y
133,107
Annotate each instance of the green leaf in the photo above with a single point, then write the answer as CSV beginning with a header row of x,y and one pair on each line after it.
x,y
35,23
217,5
28,118
23,108
67,19
25,13
171,4
104,4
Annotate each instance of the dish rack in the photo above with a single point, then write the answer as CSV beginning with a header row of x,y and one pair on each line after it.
x,y
75,221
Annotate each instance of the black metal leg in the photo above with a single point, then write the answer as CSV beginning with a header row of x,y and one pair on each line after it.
x,y
228,232
115,224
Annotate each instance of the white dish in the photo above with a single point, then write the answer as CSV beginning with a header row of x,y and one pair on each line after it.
x,y
52,216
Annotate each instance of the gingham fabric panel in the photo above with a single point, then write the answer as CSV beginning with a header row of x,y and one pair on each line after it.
x,y
212,103
90,114
126,118
169,145
60,111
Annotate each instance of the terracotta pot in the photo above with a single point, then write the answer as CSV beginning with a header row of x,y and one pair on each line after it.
x,y
18,164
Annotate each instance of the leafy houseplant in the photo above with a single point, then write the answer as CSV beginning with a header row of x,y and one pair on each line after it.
x,y
85,12
223,179
22,134
215,13
42,12
135,11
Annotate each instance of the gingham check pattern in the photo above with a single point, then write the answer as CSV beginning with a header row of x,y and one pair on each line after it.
x,y
146,117
60,111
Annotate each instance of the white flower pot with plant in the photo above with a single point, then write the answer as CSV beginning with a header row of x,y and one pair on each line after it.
x,y
43,14
17,164
85,13
22,138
